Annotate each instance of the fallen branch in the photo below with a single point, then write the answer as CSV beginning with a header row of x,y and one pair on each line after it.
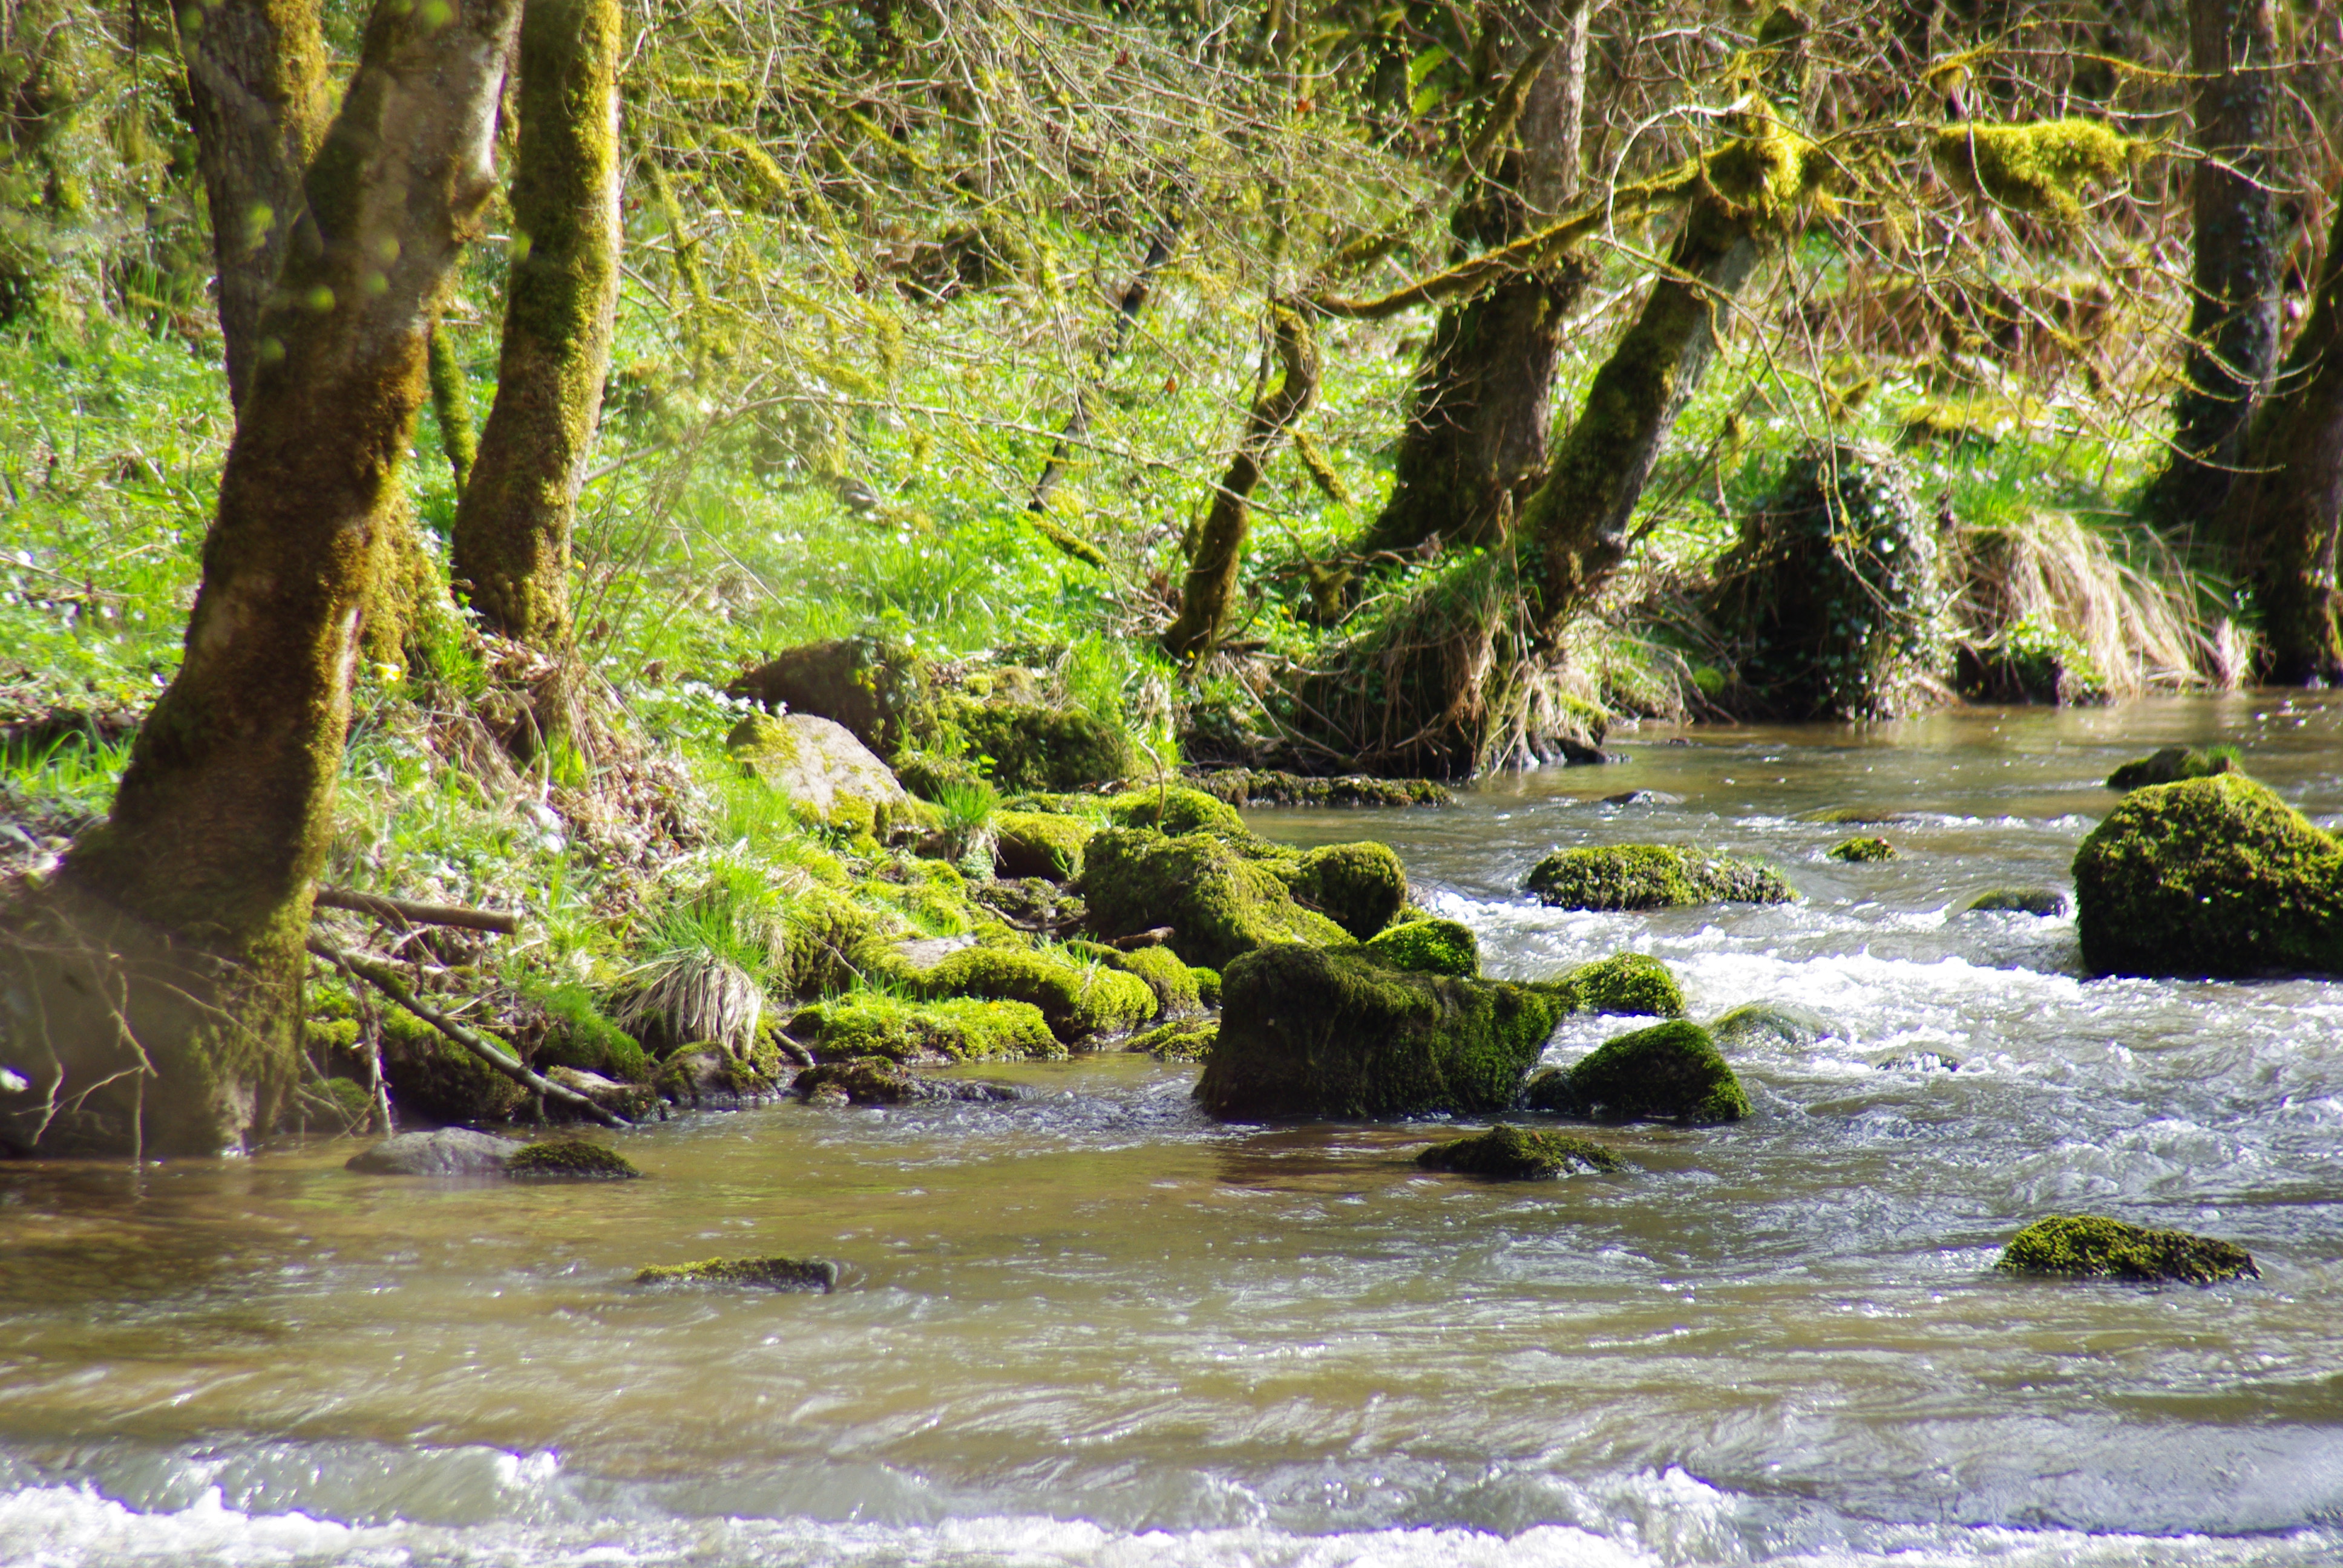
x,y
389,908
384,978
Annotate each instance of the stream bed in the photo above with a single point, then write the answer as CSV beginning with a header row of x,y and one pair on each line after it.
x,y
1092,1327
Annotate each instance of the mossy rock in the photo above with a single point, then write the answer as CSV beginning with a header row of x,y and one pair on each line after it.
x,y
1185,1039
2171,765
811,1274
1360,887
569,1160
1033,747
826,775
1433,947
353,1101
2048,903
832,941
1669,1072
881,691
863,1081
1245,787
1863,851
964,1028
1219,902
1039,844
578,1034
1089,807
434,1079
2208,877
1509,1153
1626,983
1310,1032
2087,1246
1765,1020
709,1076
1077,1000
1174,809
1651,877
930,775
1208,984
1171,980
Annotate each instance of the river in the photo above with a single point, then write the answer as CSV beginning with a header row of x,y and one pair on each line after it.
x,y
1092,1327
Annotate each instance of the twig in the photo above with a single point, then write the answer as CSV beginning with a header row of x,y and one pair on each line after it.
x,y
384,979
383,908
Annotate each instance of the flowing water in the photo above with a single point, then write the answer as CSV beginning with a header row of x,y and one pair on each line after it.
x,y
1091,1327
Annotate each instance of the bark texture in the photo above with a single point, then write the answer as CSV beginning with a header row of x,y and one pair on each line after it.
x,y
257,97
2240,247
187,908
511,545
2287,505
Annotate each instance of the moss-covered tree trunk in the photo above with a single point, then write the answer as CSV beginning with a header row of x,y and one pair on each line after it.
x,y
511,546
1475,440
156,980
1212,582
256,94
2288,503
2240,245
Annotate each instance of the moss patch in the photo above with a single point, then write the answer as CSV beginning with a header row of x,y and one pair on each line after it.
x,y
962,1029
1030,747
1509,1153
1360,887
1267,787
1651,877
1039,844
570,1158
2036,168
1172,981
1077,1000
759,1273
1219,902
2087,1246
863,1081
1175,809
1672,1071
2048,903
1189,1040
1761,1021
1863,851
1626,983
2172,764
2208,877
1434,947
1208,985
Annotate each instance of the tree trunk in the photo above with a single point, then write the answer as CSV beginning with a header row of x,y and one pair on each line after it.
x,y
1475,439
256,89
164,964
1219,548
2288,503
2241,240
511,545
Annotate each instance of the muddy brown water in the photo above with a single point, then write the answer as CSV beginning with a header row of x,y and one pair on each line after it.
x,y
1091,1327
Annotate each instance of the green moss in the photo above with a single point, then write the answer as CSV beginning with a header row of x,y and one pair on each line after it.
x,y
2090,1247
832,942
2172,764
763,1273
1863,850
1671,1072
1039,844
1509,1153
1190,1040
1077,1000
1359,887
2036,168
1243,787
578,1035
1031,747
1436,947
1310,1032
2208,877
881,690
352,1101
1219,902
1208,985
964,1028
329,1035
1651,877
1089,807
2048,903
1175,809
930,776
572,1158
1760,1020
863,1080
1173,984
1626,983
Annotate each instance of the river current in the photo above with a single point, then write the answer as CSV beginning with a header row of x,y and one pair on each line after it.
x,y
1092,1327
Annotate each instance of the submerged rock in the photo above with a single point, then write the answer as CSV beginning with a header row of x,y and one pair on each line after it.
x,y
2171,765
1309,1033
1651,877
1766,1020
761,1273
1643,797
821,768
570,1160
1434,947
446,1151
861,1080
2088,1246
1671,1072
1509,1153
1863,850
1626,983
2048,903
2212,876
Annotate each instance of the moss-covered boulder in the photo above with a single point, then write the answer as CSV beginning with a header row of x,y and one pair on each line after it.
x,y
1859,850
1208,984
1669,1072
812,1274
1218,902
1034,747
1175,809
1184,1039
1039,844
2171,765
1306,1031
960,1029
710,1078
569,1160
1172,981
1626,983
1361,888
822,770
2046,903
1436,947
1765,1022
2087,1246
1249,787
859,1081
832,940
881,691
1509,1153
1651,877
2208,877
1077,1001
